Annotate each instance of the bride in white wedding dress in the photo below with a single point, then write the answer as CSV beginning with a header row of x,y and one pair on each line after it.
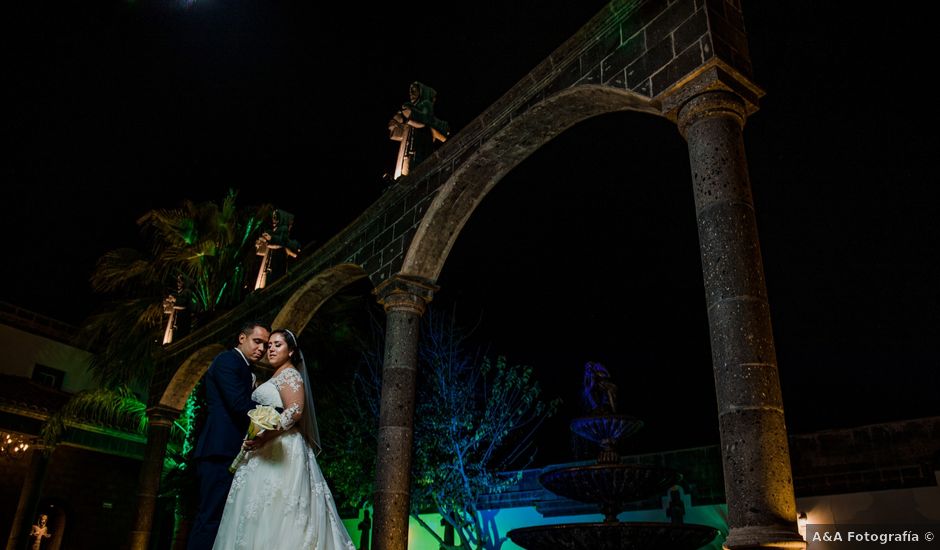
x,y
279,499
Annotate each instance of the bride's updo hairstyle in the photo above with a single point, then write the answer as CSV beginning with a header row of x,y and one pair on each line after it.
x,y
308,424
296,357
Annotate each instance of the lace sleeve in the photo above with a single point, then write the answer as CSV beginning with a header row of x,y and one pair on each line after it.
x,y
291,387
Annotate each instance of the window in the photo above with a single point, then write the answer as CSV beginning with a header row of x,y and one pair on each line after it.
x,y
48,376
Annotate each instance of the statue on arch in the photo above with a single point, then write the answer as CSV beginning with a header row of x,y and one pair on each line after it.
x,y
416,127
172,309
275,246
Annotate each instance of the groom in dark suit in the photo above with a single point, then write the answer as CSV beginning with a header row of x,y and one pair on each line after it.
x,y
228,386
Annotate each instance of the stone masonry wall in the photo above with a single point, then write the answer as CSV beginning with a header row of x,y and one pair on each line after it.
x,y
869,458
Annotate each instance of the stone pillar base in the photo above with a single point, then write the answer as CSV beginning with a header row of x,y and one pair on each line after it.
x,y
139,539
745,538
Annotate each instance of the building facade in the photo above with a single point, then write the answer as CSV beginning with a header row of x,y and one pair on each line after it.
x,y
85,484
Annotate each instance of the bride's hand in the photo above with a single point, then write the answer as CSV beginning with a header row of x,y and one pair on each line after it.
x,y
258,441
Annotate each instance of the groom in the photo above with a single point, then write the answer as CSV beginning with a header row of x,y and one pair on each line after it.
x,y
228,386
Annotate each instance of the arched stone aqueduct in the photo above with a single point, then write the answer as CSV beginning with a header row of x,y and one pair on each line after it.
x,y
685,61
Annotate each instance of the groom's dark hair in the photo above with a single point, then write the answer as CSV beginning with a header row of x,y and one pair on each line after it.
x,y
249,326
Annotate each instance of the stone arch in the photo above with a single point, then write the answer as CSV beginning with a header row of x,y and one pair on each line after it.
x,y
304,303
459,196
187,376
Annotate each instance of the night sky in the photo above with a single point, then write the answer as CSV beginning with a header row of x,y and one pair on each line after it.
x,y
587,251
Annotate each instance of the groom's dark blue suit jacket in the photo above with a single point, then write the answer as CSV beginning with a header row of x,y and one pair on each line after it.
x,y
228,400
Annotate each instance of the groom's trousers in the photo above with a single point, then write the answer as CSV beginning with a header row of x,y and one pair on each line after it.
x,y
214,483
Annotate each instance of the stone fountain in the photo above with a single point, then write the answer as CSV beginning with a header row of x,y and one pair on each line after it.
x,y
611,485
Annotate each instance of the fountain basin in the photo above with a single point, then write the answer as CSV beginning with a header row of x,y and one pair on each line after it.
x,y
612,486
614,536
606,429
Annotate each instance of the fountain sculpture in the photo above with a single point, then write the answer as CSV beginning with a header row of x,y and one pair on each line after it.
x,y
611,485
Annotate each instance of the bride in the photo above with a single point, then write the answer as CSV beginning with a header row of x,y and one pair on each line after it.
x,y
279,499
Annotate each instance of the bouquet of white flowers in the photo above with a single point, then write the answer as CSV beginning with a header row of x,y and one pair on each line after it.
x,y
263,417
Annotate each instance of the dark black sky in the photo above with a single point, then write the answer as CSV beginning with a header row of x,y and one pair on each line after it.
x,y
587,251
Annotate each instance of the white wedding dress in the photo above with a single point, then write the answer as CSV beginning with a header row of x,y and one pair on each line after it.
x,y
279,499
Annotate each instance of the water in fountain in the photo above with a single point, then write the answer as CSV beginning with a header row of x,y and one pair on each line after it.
x,y
611,485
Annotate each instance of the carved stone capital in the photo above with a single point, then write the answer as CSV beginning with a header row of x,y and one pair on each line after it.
x,y
406,292
711,104
162,415
712,89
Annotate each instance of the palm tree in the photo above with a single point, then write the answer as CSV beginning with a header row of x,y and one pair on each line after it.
x,y
199,253
207,247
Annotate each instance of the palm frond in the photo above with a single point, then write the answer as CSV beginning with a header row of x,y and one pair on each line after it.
x,y
122,269
124,338
165,226
116,408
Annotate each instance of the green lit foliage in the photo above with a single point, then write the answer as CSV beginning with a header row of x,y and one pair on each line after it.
x,y
187,421
474,419
207,247
348,423
199,252
178,484
116,409
123,339
348,461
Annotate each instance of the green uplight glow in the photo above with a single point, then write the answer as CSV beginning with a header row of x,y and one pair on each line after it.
x,y
186,421
250,227
218,298
188,231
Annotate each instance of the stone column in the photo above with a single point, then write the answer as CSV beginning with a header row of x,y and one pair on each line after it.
x,y
404,299
29,497
148,483
710,110
58,531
